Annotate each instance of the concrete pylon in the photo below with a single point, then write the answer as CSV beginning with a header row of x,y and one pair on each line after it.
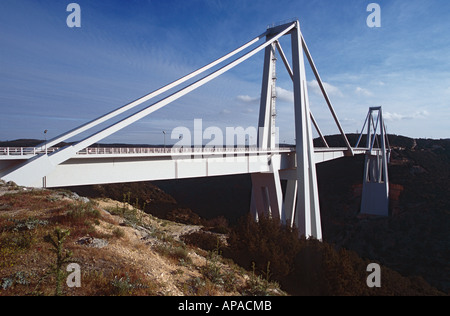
x,y
375,194
300,205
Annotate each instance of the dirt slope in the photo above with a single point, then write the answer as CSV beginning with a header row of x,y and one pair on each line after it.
x,y
120,250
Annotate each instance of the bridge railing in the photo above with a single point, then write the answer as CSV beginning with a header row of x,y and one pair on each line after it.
x,y
30,151
25,151
182,150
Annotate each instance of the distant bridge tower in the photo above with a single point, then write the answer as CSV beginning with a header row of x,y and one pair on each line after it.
x,y
375,194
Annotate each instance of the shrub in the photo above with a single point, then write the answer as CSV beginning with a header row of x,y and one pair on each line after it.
x,y
184,216
118,233
202,240
177,253
124,285
259,285
263,242
212,269
62,256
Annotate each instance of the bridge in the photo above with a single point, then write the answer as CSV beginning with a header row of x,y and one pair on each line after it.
x,y
102,165
81,163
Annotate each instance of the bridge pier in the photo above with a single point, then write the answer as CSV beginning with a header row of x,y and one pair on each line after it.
x,y
375,195
300,206
267,196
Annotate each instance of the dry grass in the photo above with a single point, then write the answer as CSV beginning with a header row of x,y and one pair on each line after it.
x,y
144,255
27,217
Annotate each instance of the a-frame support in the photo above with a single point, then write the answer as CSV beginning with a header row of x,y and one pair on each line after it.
x,y
307,213
300,205
375,193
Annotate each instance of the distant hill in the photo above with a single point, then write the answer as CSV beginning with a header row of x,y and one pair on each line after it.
x,y
21,143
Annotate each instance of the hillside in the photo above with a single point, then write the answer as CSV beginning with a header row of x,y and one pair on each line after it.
x,y
120,250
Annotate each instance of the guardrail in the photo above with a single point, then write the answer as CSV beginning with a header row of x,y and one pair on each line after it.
x,y
24,151
176,150
30,151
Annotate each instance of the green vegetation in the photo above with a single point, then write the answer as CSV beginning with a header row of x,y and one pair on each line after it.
x,y
63,257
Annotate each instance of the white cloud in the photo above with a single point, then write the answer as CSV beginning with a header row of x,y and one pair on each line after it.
x,y
225,112
364,92
313,85
248,99
282,95
285,95
400,117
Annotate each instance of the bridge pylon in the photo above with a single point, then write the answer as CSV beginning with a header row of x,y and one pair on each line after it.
x,y
375,193
300,204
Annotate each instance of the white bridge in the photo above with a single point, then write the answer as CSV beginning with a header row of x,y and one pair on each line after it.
x,y
81,163
116,165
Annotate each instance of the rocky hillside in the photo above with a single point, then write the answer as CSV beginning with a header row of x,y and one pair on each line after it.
x,y
120,250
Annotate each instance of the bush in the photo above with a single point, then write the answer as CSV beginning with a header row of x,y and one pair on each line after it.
x,y
178,253
217,225
202,240
184,216
263,242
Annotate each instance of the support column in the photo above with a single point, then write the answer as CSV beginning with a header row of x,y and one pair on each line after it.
x,y
290,198
267,129
375,195
266,195
307,215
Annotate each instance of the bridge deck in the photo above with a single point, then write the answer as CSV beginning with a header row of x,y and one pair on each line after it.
x,y
95,165
24,153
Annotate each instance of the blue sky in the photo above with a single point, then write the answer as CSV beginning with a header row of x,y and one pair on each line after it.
x,y
55,78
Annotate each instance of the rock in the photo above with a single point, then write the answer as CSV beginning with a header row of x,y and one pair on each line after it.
x,y
82,199
92,242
